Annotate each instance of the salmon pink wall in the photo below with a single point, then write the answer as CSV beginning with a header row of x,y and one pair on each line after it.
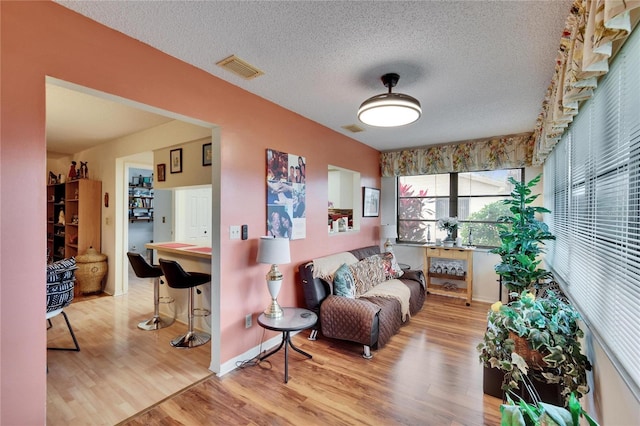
x,y
40,39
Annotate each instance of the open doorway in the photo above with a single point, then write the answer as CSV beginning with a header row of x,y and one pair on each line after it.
x,y
107,132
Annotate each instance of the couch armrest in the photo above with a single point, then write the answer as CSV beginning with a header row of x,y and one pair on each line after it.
x,y
415,275
355,320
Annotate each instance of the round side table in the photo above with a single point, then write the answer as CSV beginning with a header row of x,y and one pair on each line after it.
x,y
293,319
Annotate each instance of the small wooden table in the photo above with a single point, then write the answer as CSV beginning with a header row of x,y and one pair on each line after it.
x,y
294,319
455,253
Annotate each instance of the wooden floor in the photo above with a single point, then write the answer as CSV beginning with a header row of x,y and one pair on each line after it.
x,y
120,369
428,374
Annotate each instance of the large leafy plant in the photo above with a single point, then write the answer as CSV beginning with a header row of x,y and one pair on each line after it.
x,y
540,413
550,328
521,237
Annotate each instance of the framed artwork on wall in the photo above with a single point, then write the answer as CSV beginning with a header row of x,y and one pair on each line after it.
x,y
206,154
176,160
162,172
370,202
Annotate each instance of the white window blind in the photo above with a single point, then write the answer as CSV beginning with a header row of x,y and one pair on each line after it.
x,y
592,187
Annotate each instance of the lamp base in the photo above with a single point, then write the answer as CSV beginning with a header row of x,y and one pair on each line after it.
x,y
273,310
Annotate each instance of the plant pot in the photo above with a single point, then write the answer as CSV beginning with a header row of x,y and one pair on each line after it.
x,y
492,382
492,385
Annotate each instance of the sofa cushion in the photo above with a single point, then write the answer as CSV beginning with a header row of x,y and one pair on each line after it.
x,y
367,273
391,268
343,282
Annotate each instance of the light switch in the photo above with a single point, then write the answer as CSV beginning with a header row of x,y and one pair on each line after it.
x,y
234,232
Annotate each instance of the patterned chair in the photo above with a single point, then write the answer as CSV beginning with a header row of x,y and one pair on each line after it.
x,y
60,285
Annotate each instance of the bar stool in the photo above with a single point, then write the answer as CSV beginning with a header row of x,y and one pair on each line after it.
x,y
179,278
143,270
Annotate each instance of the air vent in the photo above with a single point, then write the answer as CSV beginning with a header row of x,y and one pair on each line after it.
x,y
240,67
353,128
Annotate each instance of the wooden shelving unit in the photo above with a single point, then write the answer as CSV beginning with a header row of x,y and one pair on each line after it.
x,y
455,253
79,202
141,202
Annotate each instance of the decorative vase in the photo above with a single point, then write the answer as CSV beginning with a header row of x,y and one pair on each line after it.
x,y
92,268
448,242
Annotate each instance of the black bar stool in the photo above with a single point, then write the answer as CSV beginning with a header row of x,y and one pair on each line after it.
x,y
179,278
143,270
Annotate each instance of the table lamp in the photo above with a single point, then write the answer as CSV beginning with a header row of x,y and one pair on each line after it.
x,y
273,251
388,232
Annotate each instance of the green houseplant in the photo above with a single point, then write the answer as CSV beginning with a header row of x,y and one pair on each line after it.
x,y
540,413
531,338
537,338
521,236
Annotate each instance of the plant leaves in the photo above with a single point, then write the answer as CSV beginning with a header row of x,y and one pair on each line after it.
x,y
558,414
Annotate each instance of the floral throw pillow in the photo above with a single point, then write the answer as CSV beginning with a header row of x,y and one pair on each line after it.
x,y
367,273
391,268
343,282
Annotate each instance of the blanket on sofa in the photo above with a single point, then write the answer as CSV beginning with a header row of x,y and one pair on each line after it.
x,y
325,267
393,289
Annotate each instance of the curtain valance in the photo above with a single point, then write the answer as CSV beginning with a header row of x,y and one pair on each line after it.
x,y
502,152
583,56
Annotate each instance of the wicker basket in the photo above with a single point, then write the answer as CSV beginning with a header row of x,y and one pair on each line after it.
x,y
92,268
533,358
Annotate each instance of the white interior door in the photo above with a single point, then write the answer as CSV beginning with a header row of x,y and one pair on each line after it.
x,y
193,214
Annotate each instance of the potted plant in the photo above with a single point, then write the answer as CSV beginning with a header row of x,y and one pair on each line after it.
x,y
529,337
521,236
536,338
449,224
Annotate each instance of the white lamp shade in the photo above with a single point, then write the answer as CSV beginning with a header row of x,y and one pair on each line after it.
x,y
388,231
273,251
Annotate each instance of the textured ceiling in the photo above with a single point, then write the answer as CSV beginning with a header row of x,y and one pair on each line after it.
x,y
479,68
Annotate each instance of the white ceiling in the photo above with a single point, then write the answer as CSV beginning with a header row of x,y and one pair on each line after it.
x,y
479,68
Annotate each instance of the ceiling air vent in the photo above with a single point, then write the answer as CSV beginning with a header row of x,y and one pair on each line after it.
x,y
353,128
240,67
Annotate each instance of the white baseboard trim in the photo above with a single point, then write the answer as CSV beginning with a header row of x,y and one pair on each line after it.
x,y
232,364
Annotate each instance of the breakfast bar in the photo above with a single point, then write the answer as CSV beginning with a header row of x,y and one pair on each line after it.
x,y
193,256
183,249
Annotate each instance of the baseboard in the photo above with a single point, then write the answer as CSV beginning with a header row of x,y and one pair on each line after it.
x,y
232,364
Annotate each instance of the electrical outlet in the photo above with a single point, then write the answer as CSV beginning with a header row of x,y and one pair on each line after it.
x,y
247,321
234,232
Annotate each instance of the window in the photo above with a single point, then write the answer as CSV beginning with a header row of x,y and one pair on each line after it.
x,y
592,187
475,198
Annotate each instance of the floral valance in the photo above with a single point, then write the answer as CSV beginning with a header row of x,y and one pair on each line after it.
x,y
502,152
583,56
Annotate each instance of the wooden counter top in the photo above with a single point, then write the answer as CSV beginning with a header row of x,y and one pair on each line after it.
x,y
194,249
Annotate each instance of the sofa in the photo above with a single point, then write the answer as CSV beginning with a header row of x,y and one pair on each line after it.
x,y
379,304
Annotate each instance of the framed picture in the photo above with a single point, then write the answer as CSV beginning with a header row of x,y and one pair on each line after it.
x,y
162,172
206,154
370,202
176,161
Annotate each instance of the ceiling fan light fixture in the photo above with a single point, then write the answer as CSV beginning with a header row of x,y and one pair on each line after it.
x,y
390,109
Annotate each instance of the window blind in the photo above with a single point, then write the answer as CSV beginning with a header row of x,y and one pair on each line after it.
x,y
592,187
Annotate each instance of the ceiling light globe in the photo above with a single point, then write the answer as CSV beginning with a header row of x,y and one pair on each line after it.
x,y
389,110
